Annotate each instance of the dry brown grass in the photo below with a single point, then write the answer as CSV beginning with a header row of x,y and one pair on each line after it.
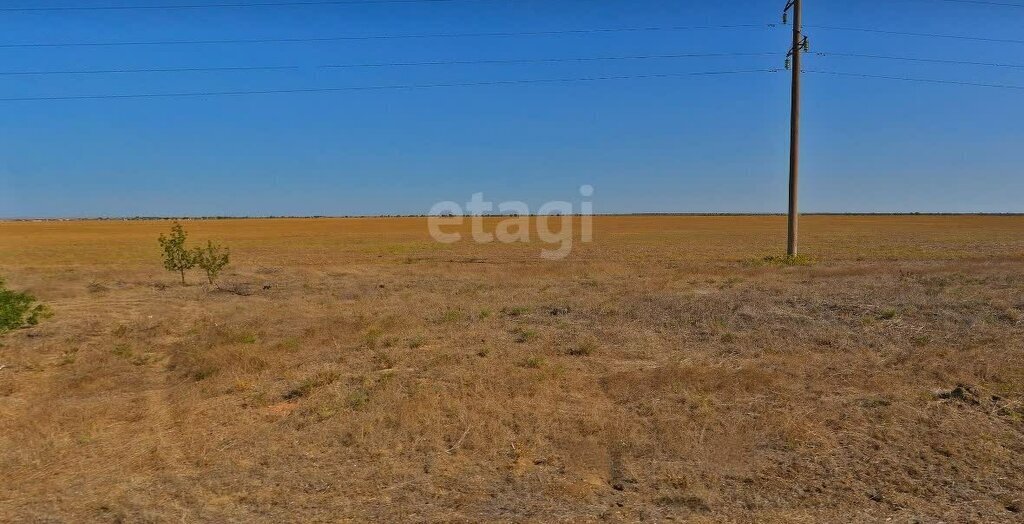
x,y
655,374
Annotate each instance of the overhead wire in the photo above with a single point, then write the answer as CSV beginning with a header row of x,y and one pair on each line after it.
x,y
340,38
912,79
982,2
211,5
388,64
385,87
916,34
918,59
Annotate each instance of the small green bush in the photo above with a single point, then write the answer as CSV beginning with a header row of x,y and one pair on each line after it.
x,y
19,309
212,259
176,257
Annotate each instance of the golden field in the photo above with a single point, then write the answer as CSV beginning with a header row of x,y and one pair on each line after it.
x,y
356,370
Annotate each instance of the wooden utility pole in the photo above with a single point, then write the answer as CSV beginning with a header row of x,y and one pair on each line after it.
x,y
799,44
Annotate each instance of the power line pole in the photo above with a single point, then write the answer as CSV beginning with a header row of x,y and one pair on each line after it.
x,y
799,45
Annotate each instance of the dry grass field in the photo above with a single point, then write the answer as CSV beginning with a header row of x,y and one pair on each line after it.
x,y
355,370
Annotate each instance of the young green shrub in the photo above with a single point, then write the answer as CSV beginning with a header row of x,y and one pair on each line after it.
x,y
176,257
212,259
19,309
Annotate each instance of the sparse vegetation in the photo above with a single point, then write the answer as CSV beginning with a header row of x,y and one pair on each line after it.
x,y
372,337
584,348
451,315
358,398
649,377
523,335
19,309
176,256
532,362
212,259
299,391
887,313
780,261
290,344
382,360
123,350
515,311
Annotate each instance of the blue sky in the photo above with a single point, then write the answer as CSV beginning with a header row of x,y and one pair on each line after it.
x,y
697,144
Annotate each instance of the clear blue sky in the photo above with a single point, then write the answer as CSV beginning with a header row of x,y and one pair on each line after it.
x,y
700,144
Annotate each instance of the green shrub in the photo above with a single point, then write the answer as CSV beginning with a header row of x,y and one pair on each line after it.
x,y
176,257
211,259
19,309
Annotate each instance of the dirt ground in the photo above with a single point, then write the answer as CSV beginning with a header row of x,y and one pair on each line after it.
x,y
355,370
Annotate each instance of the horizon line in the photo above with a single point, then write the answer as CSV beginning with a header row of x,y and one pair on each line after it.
x,y
507,215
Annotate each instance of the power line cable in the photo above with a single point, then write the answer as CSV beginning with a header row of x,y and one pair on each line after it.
x,y
557,60
387,64
906,33
918,59
391,37
982,2
387,87
498,34
219,5
145,70
913,79
316,3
